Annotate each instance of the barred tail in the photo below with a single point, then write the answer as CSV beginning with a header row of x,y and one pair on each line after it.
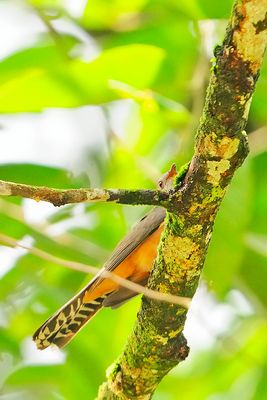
x,y
64,324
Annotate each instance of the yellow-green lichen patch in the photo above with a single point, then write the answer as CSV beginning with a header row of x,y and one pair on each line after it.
x,y
250,44
228,147
217,193
181,256
5,189
241,100
161,339
224,148
97,194
138,377
216,169
180,311
173,334
194,208
194,230
179,222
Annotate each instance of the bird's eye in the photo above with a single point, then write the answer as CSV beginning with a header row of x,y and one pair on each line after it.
x,y
161,184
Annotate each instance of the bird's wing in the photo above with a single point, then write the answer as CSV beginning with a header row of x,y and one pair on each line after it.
x,y
140,232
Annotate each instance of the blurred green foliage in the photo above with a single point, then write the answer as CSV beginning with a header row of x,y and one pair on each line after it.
x,y
154,56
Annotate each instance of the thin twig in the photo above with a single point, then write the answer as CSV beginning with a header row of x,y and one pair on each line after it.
x,y
57,38
68,239
77,266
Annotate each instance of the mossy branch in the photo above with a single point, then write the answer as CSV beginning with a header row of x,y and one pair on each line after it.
x,y
157,343
60,197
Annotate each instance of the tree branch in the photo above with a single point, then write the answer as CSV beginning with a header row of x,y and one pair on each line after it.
x,y
157,343
60,197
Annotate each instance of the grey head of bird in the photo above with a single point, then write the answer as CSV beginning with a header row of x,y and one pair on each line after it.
x,y
166,181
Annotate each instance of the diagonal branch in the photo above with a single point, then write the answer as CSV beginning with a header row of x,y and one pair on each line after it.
x,y
157,343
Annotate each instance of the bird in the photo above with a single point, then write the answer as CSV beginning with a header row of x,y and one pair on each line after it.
x,y
132,259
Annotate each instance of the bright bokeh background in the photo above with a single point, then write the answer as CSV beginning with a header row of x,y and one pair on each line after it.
x,y
108,93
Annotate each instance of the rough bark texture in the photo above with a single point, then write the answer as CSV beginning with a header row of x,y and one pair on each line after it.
x,y
157,343
60,197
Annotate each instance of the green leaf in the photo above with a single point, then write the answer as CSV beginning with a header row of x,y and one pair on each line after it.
x,y
173,34
43,55
78,83
46,3
259,104
254,266
254,269
8,343
99,14
258,221
211,10
35,375
190,8
39,175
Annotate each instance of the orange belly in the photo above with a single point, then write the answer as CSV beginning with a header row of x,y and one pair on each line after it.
x,y
135,267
